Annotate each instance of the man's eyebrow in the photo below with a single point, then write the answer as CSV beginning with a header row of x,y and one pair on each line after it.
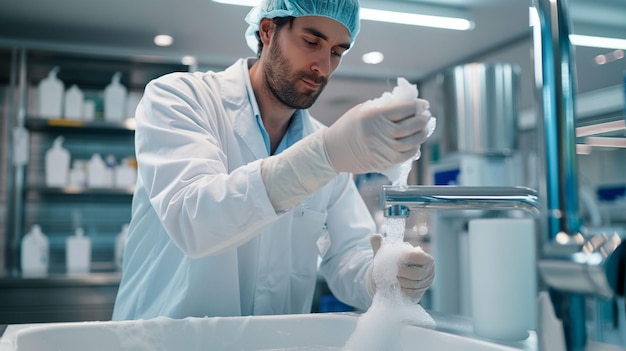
x,y
323,36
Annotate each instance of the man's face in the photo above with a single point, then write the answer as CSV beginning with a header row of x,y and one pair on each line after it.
x,y
302,57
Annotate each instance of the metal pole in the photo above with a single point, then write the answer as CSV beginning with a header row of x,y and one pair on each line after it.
x,y
16,191
555,84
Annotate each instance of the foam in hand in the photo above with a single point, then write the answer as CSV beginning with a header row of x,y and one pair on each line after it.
x,y
380,328
404,91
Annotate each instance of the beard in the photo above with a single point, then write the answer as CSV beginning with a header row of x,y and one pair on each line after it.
x,y
282,80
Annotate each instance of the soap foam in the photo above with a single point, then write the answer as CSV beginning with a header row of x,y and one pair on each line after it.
x,y
381,326
404,91
395,228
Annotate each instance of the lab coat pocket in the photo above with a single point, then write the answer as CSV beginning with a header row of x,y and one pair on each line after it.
x,y
309,240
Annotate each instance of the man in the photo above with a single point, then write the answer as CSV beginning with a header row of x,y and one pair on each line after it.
x,y
239,189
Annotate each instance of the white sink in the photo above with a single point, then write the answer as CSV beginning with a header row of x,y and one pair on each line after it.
x,y
291,332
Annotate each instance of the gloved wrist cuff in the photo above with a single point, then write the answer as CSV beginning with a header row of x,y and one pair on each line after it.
x,y
298,171
326,151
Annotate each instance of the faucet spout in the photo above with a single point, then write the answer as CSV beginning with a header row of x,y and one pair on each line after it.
x,y
399,200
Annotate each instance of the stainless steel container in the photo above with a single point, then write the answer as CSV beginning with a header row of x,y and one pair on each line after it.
x,y
480,109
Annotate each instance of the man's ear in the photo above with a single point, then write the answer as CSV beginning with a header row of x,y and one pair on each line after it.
x,y
266,30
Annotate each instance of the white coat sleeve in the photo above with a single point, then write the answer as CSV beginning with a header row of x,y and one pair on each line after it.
x,y
184,170
345,264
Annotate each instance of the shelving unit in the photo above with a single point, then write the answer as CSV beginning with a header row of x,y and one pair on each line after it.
x,y
601,119
101,212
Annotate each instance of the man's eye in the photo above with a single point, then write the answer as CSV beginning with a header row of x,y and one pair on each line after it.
x,y
336,53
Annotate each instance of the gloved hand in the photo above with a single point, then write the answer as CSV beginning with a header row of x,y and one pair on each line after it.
x,y
416,270
366,140
363,140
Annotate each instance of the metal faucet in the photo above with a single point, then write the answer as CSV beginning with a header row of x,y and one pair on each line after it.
x,y
399,200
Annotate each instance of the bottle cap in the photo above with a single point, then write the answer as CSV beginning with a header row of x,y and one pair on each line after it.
x,y
36,228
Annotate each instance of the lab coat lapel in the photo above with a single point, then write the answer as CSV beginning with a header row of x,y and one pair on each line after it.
x,y
246,127
236,99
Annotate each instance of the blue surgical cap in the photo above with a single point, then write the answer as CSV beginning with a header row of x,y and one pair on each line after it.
x,y
345,12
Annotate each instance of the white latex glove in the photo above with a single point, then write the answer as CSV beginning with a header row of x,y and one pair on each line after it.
x,y
366,140
361,141
416,270
297,172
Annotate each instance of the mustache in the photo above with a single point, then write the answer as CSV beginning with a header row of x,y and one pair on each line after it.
x,y
314,78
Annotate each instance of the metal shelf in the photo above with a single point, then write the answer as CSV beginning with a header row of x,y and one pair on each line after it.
x,y
78,190
601,119
44,124
62,280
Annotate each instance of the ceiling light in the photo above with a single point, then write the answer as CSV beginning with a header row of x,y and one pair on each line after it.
x,y
238,2
597,42
188,60
416,19
373,58
163,40
610,57
402,13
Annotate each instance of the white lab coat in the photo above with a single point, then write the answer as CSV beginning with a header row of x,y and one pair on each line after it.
x,y
204,239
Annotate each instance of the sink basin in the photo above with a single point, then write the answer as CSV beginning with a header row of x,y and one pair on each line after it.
x,y
286,332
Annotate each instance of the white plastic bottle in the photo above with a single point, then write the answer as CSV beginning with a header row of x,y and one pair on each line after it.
x,y
89,110
57,164
111,166
115,95
125,175
78,252
120,243
73,103
96,172
35,252
78,176
51,95
131,103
